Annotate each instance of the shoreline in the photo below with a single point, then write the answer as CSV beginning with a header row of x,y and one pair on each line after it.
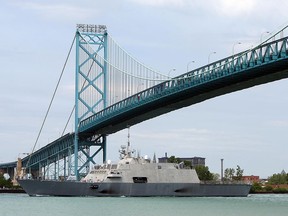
x,y
8,190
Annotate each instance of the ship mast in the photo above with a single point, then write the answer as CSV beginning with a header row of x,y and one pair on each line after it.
x,y
128,143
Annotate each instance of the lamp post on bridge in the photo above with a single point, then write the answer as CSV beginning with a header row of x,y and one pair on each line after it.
x,y
233,48
173,69
189,64
261,37
210,56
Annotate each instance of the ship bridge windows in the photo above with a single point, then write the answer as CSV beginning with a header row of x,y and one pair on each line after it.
x,y
140,179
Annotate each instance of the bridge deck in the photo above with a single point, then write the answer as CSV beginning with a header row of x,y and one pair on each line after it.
x,y
263,64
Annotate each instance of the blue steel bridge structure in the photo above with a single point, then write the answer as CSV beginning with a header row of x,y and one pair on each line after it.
x,y
115,91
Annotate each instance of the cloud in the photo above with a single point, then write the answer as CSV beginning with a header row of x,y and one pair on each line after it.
x,y
279,123
221,7
161,3
58,11
236,7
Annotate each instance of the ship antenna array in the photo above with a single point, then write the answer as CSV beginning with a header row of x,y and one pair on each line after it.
x,y
128,136
128,143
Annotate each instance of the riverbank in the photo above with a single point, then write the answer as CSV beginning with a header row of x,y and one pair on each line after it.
x,y
10,190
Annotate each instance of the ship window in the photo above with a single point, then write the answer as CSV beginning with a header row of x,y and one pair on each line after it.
x,y
140,179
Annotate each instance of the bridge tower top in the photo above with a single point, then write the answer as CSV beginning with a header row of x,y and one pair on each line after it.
x,y
100,29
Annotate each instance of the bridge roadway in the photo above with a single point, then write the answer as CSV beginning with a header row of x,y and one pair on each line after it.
x,y
263,64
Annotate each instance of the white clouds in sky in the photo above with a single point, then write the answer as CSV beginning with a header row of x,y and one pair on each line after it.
x,y
236,7
162,3
58,11
223,7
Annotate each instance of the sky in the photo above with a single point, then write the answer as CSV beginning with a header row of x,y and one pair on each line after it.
x,y
246,128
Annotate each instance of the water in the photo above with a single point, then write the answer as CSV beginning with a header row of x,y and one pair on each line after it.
x,y
253,205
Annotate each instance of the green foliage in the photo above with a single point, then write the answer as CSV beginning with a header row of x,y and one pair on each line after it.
x,y
280,190
216,177
230,174
187,164
256,187
5,183
279,178
268,188
203,173
239,173
173,159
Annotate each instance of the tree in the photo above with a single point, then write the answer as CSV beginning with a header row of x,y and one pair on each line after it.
x,y
216,176
203,173
268,188
187,164
239,173
229,173
173,159
256,187
5,183
279,178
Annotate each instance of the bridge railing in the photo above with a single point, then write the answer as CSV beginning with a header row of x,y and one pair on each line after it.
x,y
50,153
264,53
260,55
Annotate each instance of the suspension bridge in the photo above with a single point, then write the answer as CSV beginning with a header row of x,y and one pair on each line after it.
x,y
114,91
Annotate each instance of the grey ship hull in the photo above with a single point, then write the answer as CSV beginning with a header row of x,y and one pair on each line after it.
x,y
70,188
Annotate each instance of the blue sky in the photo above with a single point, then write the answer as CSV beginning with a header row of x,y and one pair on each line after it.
x,y
247,128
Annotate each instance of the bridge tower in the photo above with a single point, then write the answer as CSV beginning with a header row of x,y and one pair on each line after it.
x,y
90,88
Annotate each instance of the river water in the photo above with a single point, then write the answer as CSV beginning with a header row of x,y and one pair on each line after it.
x,y
262,205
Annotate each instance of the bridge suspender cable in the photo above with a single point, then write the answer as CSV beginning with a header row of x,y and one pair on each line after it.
x,y
124,72
47,112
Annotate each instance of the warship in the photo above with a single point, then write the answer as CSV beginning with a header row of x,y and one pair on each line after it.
x,y
134,177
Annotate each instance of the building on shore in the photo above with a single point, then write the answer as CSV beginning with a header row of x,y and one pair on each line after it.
x,y
195,161
250,179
